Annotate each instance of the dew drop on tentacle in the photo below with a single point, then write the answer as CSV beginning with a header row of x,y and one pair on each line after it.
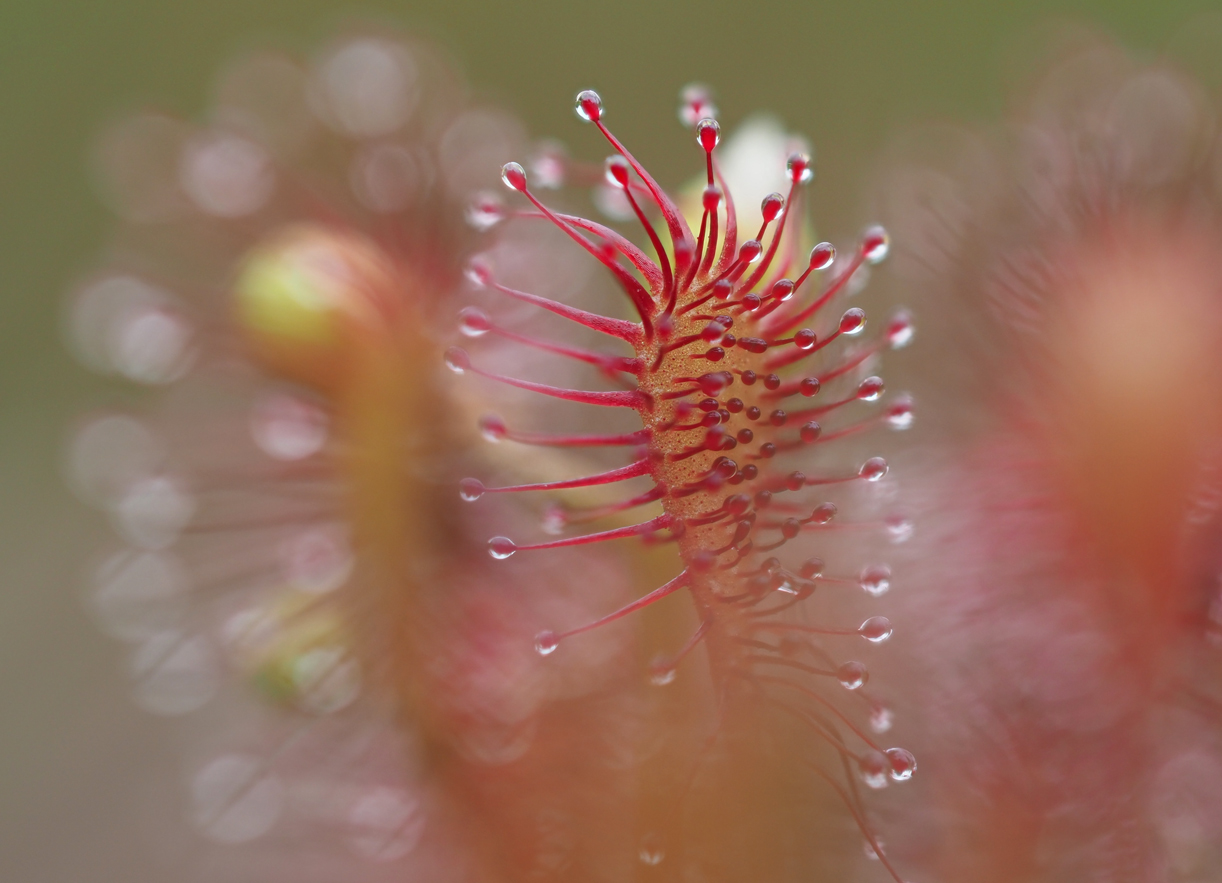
x,y
873,469
652,850
589,106
823,514
554,520
899,529
770,208
852,675
875,244
822,256
514,176
875,768
474,322
546,642
801,169
876,629
478,273
870,389
853,322
811,568
750,251
662,672
485,211
501,548
902,764
617,172
875,579
900,415
696,104
708,134
900,330
881,718
457,360
493,428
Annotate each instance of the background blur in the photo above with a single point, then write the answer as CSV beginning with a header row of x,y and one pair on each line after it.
x,y
78,763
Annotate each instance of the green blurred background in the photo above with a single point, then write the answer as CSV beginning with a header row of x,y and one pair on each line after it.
x,y
76,759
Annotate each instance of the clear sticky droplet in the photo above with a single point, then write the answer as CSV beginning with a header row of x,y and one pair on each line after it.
x,y
900,330
501,548
874,768
457,360
876,629
617,172
493,428
811,568
881,719
772,206
589,106
471,489
696,104
661,675
514,176
875,244
546,643
822,256
852,675
823,513
474,322
902,764
708,134
800,167
900,414
899,529
555,519
870,389
478,273
652,851
485,211
853,322
873,469
875,579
